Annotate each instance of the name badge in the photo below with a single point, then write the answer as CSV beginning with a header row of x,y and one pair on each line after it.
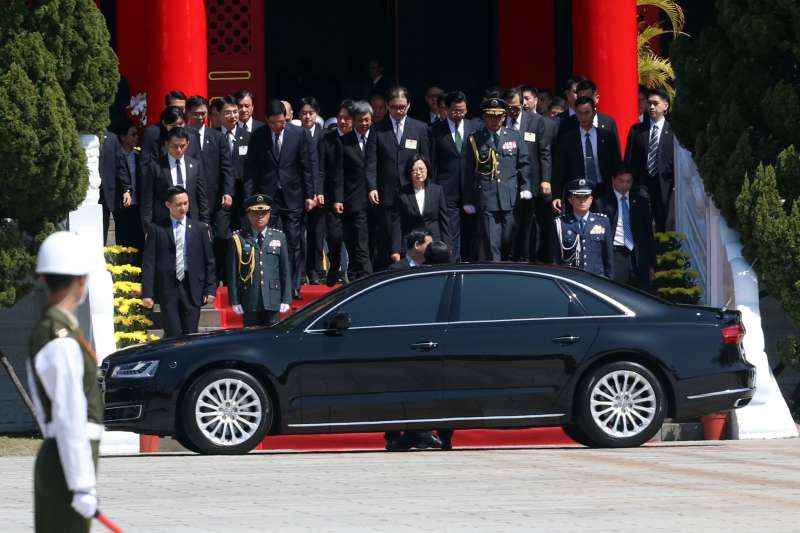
x,y
411,144
530,137
243,150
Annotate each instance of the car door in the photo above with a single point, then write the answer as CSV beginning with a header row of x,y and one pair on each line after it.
x,y
513,340
387,365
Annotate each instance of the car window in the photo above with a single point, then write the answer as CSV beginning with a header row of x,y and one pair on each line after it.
x,y
500,296
413,300
594,305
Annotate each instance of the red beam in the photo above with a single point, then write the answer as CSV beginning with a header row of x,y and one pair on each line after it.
x,y
526,43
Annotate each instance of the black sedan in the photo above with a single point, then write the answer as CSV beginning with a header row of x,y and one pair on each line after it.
x,y
447,347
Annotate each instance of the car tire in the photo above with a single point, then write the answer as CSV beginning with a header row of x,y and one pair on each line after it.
x,y
226,412
575,433
620,405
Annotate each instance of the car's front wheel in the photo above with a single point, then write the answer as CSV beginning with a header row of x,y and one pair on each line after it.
x,y
226,411
620,404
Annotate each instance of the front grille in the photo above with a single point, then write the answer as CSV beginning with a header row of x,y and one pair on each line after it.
x,y
101,376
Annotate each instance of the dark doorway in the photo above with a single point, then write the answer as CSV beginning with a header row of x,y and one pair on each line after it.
x,y
325,52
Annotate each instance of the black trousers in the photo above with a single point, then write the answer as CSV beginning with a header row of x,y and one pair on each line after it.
x,y
544,223
383,237
350,228
291,223
627,271
470,230
315,240
261,317
454,217
498,234
128,227
179,316
525,242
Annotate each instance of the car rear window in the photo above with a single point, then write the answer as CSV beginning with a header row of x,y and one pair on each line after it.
x,y
594,305
505,296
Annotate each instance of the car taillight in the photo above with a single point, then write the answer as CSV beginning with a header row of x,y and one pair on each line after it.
x,y
732,334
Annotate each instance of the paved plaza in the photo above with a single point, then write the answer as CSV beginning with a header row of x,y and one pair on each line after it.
x,y
728,486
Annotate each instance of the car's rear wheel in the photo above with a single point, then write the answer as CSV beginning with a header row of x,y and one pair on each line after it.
x,y
226,411
620,404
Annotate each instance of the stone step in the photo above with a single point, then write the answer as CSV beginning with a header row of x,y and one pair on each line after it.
x,y
209,317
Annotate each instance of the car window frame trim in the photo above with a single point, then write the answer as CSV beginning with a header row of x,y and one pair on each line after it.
x,y
626,311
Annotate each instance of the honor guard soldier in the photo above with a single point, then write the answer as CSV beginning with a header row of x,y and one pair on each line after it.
x,y
62,377
497,173
259,275
583,239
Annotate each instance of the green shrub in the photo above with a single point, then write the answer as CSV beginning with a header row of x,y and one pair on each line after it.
x,y
674,280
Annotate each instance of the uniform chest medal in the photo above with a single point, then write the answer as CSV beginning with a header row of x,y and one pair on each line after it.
x,y
597,230
509,146
275,243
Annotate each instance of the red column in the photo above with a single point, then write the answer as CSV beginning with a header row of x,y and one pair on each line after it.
x,y
604,50
131,43
526,43
177,50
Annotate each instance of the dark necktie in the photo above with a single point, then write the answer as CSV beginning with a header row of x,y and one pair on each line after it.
x,y
276,147
627,231
459,140
178,173
591,170
496,140
652,152
244,127
260,239
581,225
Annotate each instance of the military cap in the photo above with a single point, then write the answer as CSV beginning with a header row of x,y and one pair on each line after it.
x,y
493,106
580,186
258,202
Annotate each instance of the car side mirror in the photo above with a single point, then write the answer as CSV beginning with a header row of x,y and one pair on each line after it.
x,y
339,322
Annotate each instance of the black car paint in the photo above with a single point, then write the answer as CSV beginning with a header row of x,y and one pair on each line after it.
x,y
479,375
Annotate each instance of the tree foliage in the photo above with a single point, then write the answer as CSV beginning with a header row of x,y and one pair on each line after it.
x,y
737,98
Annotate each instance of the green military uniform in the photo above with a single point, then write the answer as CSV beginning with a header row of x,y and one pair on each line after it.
x,y
52,495
259,271
497,171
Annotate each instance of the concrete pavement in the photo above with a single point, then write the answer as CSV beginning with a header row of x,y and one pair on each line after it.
x,y
726,486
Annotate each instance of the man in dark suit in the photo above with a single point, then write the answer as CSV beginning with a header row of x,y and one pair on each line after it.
x,y
259,274
237,140
171,116
378,83
210,146
535,135
586,152
279,164
389,147
109,153
178,266
173,169
448,152
649,154
345,186
602,121
245,102
128,187
498,174
628,212
308,108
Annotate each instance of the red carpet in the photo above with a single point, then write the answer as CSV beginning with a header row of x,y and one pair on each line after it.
x,y
355,441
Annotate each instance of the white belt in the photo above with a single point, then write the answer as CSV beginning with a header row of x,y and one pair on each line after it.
x,y
93,431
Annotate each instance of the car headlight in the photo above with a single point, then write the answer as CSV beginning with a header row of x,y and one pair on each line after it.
x,y
137,369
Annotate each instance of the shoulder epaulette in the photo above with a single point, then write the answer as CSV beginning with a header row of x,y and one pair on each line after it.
x,y
601,215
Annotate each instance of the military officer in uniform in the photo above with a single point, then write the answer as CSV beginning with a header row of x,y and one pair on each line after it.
x,y
497,173
62,378
583,239
259,272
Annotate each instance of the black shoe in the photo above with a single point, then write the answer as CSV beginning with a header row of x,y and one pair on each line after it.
x,y
296,294
424,440
331,279
446,436
395,442
314,278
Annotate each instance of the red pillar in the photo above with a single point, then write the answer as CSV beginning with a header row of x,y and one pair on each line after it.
x,y
131,42
604,50
177,50
526,45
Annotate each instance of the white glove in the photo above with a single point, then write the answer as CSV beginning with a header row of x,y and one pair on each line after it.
x,y
525,195
85,503
285,307
238,309
469,209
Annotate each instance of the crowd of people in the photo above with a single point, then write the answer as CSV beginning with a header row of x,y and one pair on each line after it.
x,y
529,177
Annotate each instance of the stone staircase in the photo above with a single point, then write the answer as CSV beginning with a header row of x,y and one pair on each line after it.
x,y
209,320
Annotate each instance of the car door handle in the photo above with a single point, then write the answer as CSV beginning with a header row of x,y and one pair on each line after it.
x,y
425,345
566,339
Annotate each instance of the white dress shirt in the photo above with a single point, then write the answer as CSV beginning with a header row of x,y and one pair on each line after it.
x,y
59,366
660,127
402,123
514,124
179,230
174,173
362,140
453,129
419,195
248,124
202,133
619,232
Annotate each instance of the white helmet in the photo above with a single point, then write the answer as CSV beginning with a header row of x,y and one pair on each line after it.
x,y
63,252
